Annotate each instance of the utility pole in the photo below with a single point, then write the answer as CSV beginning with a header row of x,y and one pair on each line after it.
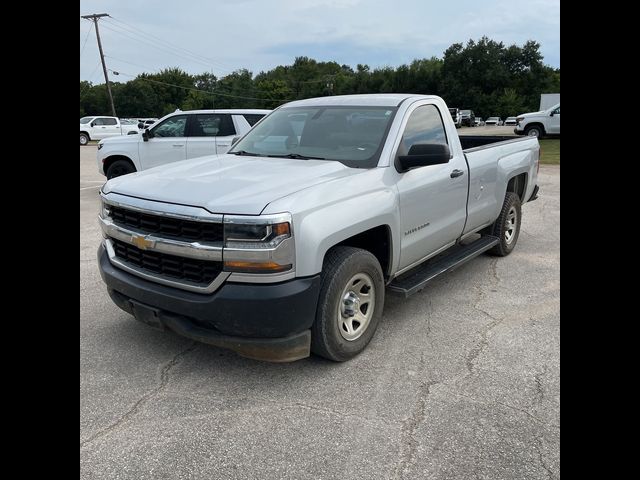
x,y
95,18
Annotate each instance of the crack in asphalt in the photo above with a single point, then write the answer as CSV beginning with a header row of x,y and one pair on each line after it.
x,y
479,347
409,443
548,426
164,380
539,388
550,472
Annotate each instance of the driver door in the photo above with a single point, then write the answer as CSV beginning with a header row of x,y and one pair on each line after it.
x,y
554,122
167,144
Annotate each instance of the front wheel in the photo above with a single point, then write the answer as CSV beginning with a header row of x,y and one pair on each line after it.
x,y
118,168
350,303
507,226
534,131
84,139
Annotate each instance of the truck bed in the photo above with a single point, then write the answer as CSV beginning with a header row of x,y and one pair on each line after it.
x,y
491,161
473,141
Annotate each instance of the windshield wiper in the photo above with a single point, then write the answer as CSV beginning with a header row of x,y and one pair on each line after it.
x,y
244,152
298,156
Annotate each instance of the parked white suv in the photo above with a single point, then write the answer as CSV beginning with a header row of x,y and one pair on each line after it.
x,y
177,136
539,124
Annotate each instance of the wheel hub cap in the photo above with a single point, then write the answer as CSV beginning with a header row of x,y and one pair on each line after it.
x,y
356,307
511,225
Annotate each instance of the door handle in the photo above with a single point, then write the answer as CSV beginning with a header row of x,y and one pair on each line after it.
x,y
178,145
456,173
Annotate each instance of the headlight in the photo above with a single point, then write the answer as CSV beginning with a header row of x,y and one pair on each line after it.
x,y
519,119
258,245
105,209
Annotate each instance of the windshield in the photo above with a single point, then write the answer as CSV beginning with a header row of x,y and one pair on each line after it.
x,y
465,112
353,136
86,119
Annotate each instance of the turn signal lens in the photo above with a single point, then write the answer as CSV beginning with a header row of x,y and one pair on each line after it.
x,y
255,267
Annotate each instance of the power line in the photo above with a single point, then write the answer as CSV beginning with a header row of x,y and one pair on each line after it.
x,y
162,47
157,70
203,91
153,45
138,31
85,39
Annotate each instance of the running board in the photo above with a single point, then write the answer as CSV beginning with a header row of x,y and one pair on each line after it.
x,y
414,281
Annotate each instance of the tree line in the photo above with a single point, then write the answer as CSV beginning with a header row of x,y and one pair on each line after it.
x,y
486,76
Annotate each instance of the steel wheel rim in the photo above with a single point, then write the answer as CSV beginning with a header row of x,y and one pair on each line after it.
x,y
83,140
511,225
534,132
356,306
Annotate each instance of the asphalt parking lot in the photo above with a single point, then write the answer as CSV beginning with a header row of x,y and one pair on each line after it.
x,y
461,381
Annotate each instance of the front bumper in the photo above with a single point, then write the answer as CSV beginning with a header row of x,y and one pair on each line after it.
x,y
262,321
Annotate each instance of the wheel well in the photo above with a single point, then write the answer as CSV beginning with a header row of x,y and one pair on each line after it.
x,y
539,125
107,162
375,240
87,134
517,185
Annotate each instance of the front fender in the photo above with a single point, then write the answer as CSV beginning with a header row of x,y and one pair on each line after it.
x,y
332,212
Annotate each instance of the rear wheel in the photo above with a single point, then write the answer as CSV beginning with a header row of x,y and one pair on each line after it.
x,y
350,304
84,139
118,168
507,226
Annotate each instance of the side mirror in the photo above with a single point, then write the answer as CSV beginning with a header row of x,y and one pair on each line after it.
x,y
93,124
146,135
552,114
422,155
140,125
234,141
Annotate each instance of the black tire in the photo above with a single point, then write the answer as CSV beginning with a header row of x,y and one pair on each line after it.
x,y
341,265
500,227
118,168
534,131
84,139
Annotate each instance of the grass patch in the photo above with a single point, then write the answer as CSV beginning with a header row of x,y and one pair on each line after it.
x,y
550,151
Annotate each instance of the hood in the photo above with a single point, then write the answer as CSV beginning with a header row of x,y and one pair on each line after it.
x,y
532,114
228,183
118,139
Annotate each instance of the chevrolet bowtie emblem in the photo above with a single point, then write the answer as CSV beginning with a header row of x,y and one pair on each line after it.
x,y
142,242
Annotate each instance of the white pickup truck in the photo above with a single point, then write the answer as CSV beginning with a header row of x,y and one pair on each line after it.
x,y
181,135
539,124
288,243
97,128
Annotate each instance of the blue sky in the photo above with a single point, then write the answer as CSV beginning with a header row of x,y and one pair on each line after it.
x,y
221,36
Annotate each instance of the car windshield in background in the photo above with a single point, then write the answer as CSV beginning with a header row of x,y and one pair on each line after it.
x,y
465,112
86,119
350,135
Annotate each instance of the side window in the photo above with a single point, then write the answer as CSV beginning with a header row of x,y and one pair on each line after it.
x,y
211,125
171,127
98,122
557,111
424,126
109,121
252,118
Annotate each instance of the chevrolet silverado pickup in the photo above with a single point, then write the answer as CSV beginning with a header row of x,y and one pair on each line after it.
x,y
98,128
289,242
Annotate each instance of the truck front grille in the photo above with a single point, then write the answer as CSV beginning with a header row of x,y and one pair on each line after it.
x,y
185,230
202,272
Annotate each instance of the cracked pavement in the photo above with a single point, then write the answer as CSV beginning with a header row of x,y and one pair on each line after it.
x,y
461,381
